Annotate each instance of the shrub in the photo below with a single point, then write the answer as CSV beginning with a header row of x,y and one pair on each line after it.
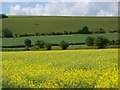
x,y
37,34
113,31
35,47
27,48
40,43
7,33
99,31
16,35
42,34
89,41
25,35
101,42
119,31
63,45
118,42
70,32
112,42
66,32
47,45
27,42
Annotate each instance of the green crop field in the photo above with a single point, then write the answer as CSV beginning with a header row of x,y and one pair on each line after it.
x,y
60,69
93,68
45,24
79,38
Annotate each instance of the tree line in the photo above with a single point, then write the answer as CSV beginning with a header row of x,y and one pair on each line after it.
x,y
100,42
42,44
7,33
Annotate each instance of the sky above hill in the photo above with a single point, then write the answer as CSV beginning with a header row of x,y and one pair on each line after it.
x,y
60,8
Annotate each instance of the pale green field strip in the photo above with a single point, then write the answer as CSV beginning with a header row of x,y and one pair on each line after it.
x,y
79,38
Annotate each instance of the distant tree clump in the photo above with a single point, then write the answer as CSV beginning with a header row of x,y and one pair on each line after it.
x,y
101,42
89,41
27,42
48,45
3,16
63,45
40,43
84,30
7,33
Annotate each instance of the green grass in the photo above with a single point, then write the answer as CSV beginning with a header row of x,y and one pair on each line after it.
x,y
79,38
43,24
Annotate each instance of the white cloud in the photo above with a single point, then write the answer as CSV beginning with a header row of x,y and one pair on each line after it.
x,y
69,9
15,9
52,8
103,13
18,10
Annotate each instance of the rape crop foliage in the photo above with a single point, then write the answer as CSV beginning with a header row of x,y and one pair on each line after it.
x,y
60,69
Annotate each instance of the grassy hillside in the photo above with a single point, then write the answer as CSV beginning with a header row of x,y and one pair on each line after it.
x,y
32,24
80,38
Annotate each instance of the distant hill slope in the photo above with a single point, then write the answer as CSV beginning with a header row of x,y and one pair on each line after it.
x,y
42,24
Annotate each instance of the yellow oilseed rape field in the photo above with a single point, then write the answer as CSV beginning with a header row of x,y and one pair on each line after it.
x,y
60,69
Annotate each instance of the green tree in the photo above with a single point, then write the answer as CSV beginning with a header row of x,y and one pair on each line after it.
x,y
27,42
101,42
118,42
89,41
84,30
3,16
40,43
7,33
63,45
113,42
48,45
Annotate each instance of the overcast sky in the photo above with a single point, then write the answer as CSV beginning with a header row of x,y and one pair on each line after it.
x,y
60,8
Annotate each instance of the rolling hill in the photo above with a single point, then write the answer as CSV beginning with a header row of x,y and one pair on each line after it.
x,y
45,24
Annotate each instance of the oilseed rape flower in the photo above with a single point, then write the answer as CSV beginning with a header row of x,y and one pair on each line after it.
x,y
60,69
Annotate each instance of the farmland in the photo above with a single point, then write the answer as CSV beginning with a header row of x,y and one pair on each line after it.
x,y
55,39
61,69
38,68
46,24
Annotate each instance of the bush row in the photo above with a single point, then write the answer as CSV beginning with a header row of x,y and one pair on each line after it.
x,y
101,42
41,44
85,30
